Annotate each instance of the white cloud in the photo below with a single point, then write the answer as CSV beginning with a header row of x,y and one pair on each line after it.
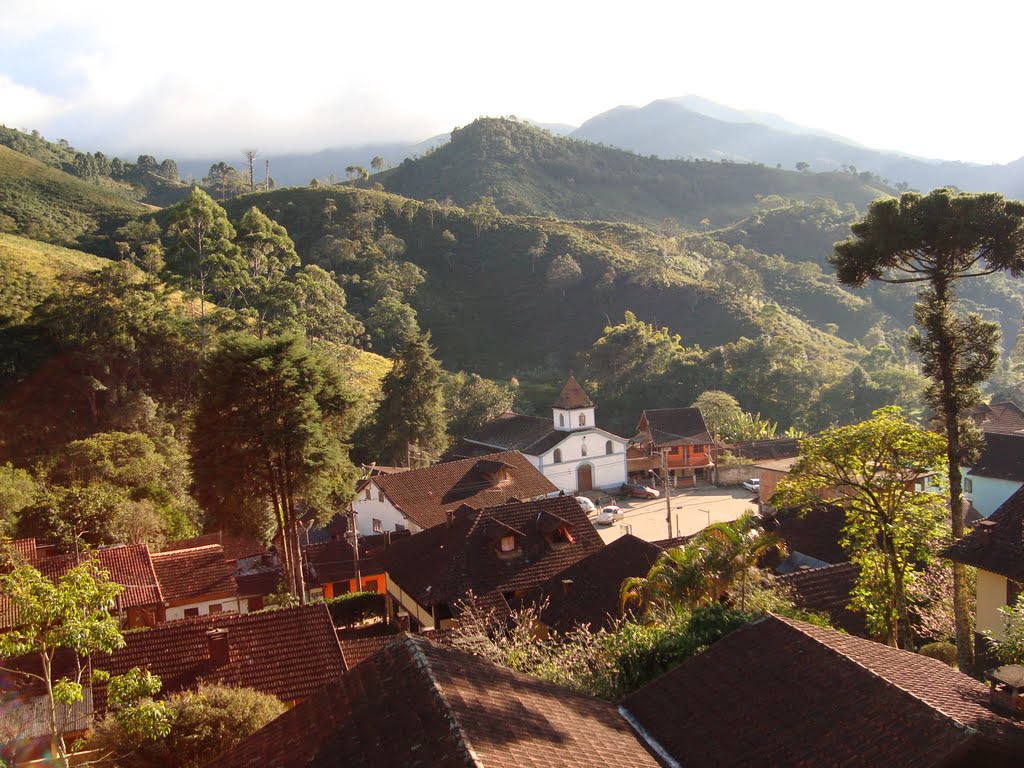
x,y
26,107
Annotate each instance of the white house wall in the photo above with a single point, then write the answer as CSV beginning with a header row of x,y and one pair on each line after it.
x,y
374,508
227,604
609,470
987,493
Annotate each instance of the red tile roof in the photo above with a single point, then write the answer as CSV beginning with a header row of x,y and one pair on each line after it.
x,y
288,653
782,692
427,495
194,575
572,395
358,644
828,590
1005,418
997,544
417,704
26,549
442,565
674,426
592,599
235,547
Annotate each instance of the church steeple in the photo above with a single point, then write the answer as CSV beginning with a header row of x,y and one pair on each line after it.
x,y
573,409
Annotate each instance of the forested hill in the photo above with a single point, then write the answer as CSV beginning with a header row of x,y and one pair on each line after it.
x,y
529,171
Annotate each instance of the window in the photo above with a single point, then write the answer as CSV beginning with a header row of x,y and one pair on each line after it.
x,y
316,594
216,608
609,447
562,536
399,527
583,419
370,585
368,489
561,419
508,543
189,612
968,485
583,450
380,495
557,457
377,525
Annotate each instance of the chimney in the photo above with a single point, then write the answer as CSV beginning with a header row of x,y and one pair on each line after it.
x,y
1006,690
566,587
402,620
450,514
220,652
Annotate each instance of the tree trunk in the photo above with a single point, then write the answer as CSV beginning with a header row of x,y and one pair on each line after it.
x,y
950,415
56,731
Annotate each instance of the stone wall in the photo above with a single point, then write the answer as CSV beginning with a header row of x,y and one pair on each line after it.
x,y
735,474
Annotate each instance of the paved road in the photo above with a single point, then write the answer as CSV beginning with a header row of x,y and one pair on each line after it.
x,y
692,510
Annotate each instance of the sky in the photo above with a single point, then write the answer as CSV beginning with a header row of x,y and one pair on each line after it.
x,y
203,79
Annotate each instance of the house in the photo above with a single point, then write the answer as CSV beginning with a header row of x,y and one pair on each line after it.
x,y
997,474
587,593
998,418
569,449
417,703
996,548
331,567
770,472
784,692
140,603
422,498
676,441
827,589
496,554
197,582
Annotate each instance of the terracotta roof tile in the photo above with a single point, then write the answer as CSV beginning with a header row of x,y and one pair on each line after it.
x,y
1004,418
782,692
676,426
235,547
442,565
427,495
288,653
572,395
191,575
418,705
997,544
592,599
828,590
1002,458
764,450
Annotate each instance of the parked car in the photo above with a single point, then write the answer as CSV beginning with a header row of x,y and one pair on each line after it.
x,y
753,484
640,491
586,504
608,515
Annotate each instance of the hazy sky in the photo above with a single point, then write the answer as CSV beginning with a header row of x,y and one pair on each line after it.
x,y
205,78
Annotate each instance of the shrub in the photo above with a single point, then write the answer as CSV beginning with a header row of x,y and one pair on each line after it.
x,y
944,652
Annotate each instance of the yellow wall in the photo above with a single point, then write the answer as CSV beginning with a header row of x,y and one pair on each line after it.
x,y
991,597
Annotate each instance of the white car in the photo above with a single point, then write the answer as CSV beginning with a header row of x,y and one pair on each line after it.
x,y
608,515
586,504
753,484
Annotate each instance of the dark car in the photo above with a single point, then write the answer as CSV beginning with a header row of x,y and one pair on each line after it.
x,y
640,491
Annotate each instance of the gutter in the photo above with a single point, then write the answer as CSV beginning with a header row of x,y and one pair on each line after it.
x,y
649,740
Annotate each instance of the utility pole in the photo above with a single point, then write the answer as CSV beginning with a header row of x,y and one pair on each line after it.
x,y
668,491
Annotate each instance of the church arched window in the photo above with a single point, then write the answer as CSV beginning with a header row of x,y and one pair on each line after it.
x,y
583,419
561,419
609,448
583,450
557,458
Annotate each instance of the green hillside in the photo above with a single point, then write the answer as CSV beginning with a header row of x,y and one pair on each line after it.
x,y
46,204
529,171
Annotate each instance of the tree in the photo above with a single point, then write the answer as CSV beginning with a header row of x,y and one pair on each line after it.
x,y
937,240
356,172
411,419
204,723
564,273
875,471
260,281
224,180
269,434
71,615
471,401
718,409
377,163
483,214
321,308
802,166
18,490
202,248
389,322
250,156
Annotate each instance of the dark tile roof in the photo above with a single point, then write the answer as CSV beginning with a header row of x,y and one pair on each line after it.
x,y
782,692
763,450
357,644
592,599
288,653
466,449
334,560
1005,418
235,547
442,565
416,704
129,565
427,495
192,575
997,544
572,395
815,533
1002,458
676,426
514,432
258,583
828,590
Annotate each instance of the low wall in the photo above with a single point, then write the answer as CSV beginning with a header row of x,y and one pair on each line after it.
x,y
735,474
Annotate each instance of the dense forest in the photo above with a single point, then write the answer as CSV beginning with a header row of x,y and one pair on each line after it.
x,y
488,267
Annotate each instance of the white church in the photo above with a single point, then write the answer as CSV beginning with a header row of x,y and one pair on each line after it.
x,y
569,448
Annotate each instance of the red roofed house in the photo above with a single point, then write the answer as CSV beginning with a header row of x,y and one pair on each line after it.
x,y
197,582
331,567
422,498
782,692
416,703
569,449
499,554
676,438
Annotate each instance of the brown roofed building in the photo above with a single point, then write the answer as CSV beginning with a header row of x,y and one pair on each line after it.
x,y
197,581
783,692
587,593
331,567
421,498
828,590
420,704
235,547
998,472
999,418
499,554
677,438
288,653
